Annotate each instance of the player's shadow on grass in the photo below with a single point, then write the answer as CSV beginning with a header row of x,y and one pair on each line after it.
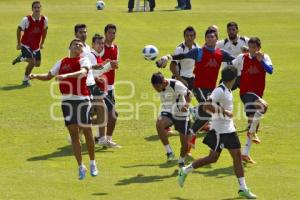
x,y
155,137
100,194
10,87
140,178
232,198
162,165
62,152
179,198
218,173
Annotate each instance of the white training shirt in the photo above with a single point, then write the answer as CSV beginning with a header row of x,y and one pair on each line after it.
x,y
84,62
233,49
87,53
185,67
239,62
173,98
224,98
104,69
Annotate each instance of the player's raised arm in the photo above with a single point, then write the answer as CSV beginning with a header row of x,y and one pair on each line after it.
x,y
41,77
82,72
195,54
265,61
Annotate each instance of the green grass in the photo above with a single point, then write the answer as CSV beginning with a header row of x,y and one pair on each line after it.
x,y
36,161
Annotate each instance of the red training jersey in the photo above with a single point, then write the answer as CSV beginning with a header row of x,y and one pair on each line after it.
x,y
206,71
253,76
110,52
33,34
72,86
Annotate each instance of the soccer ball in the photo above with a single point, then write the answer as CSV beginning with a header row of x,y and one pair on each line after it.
x,y
100,5
150,52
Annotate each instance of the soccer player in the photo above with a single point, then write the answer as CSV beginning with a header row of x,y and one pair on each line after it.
x,y
175,99
111,52
253,66
223,133
182,70
71,73
100,91
31,35
234,44
208,62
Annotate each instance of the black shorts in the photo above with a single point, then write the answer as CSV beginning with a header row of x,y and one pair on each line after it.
x,y
111,95
76,112
190,82
110,104
96,92
182,124
202,94
248,99
217,142
28,53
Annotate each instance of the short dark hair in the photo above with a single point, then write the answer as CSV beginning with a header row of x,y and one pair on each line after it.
x,y
35,2
110,26
229,24
97,37
210,30
229,73
74,40
255,40
190,29
79,26
157,78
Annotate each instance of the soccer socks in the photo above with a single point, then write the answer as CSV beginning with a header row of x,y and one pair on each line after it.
x,y
181,159
255,121
109,138
242,183
188,169
92,162
168,148
247,147
26,78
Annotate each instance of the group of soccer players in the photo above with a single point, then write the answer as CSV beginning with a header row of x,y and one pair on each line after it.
x,y
86,81
195,71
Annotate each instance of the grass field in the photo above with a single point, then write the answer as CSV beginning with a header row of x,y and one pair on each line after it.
x,y
36,162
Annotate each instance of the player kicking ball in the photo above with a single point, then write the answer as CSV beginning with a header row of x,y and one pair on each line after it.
x,y
223,133
71,73
175,99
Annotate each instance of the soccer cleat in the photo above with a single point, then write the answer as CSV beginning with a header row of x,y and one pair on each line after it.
x,y
248,159
102,141
93,170
26,83
82,172
112,144
254,137
170,156
246,194
181,177
17,60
